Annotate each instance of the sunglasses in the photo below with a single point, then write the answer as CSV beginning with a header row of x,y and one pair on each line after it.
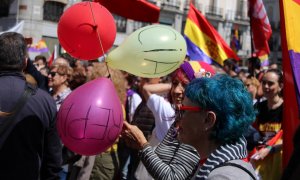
x,y
183,109
37,65
52,73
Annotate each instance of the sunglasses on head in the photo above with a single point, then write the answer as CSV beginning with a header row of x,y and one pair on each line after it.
x,y
182,109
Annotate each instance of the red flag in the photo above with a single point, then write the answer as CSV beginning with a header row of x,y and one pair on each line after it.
x,y
260,26
138,10
51,58
290,28
273,140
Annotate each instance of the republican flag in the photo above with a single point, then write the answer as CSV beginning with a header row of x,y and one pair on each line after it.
x,y
203,41
138,10
260,27
264,59
40,47
290,35
235,43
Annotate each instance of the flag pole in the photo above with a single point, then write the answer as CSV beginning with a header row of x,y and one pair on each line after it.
x,y
251,33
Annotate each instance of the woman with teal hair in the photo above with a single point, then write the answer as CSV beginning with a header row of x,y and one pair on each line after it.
x,y
215,113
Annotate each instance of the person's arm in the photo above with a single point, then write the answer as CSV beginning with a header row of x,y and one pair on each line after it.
x,y
41,80
265,151
160,88
181,166
164,115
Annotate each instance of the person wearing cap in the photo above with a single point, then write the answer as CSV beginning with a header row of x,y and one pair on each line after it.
x,y
213,117
170,159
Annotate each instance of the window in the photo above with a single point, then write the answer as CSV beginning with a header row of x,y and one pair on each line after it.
x,y
4,8
53,10
121,23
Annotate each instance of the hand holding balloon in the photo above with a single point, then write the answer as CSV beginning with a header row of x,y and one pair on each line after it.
x,y
133,136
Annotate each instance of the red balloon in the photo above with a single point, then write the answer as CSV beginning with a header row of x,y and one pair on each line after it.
x,y
78,30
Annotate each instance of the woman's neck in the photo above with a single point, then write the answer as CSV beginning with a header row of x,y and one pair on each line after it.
x,y
205,148
59,89
274,102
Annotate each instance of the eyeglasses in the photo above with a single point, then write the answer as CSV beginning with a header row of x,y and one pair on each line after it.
x,y
182,109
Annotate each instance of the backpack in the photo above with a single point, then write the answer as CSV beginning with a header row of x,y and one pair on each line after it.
x,y
237,166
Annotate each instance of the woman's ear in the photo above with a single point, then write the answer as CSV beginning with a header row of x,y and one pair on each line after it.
x,y
281,86
65,78
210,120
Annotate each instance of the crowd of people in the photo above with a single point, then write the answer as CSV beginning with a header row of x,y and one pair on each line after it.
x,y
200,122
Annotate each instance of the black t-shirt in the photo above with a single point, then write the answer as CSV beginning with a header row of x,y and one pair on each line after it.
x,y
268,120
268,115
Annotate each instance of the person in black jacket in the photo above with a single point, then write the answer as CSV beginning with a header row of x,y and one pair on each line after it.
x,y
29,147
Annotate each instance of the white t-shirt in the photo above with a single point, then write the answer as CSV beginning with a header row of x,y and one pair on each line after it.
x,y
134,102
163,113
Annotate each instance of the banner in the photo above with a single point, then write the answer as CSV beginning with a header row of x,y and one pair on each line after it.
x,y
17,28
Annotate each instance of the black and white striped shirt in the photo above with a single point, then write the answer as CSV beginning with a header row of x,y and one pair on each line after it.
x,y
171,159
222,154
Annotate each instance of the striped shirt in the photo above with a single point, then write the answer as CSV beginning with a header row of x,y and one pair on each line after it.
x,y
171,159
222,154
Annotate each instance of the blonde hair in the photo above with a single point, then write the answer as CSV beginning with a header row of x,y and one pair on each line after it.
x,y
30,79
64,69
255,82
117,77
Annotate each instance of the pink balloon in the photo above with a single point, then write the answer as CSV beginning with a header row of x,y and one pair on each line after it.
x,y
90,119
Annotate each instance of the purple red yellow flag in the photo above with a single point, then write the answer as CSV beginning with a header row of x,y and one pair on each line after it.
x,y
204,43
39,47
290,35
235,43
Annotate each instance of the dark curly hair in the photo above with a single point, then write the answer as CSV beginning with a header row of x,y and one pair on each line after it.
x,y
13,52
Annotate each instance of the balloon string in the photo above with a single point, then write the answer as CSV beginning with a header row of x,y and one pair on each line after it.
x,y
99,39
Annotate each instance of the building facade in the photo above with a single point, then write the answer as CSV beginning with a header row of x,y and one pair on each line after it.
x,y
272,8
40,18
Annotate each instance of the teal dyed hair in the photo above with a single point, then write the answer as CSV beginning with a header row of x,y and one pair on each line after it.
x,y
229,100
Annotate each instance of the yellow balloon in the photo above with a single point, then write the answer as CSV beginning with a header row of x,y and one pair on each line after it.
x,y
151,51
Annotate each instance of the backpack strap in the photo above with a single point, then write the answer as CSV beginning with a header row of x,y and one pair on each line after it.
x,y
10,117
237,166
